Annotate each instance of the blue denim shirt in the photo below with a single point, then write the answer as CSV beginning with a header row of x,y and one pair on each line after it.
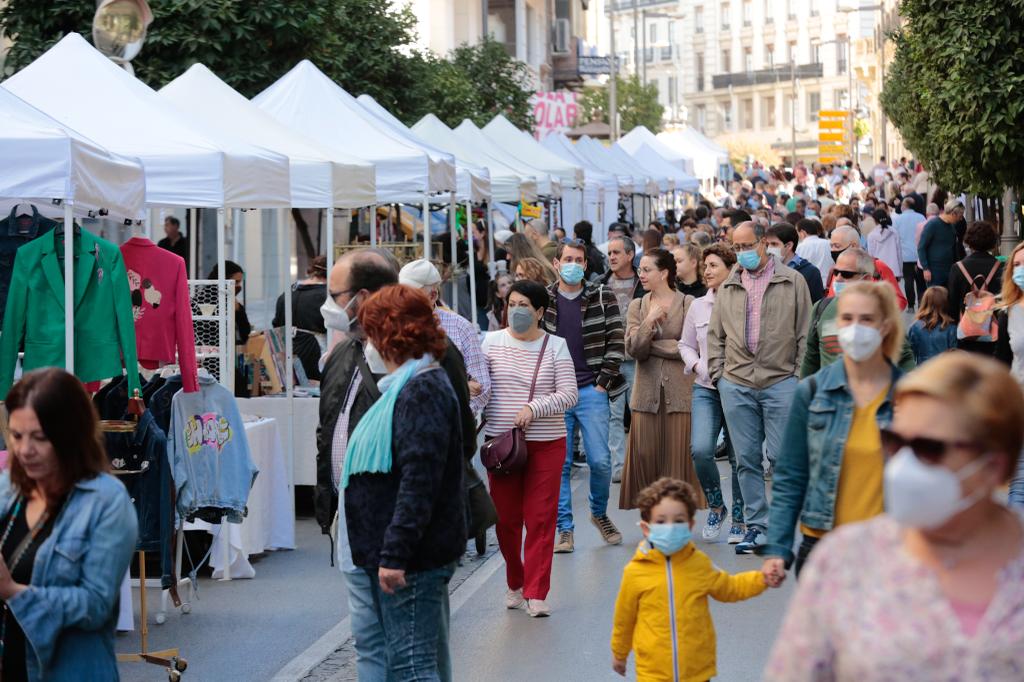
x,y
14,234
807,471
69,611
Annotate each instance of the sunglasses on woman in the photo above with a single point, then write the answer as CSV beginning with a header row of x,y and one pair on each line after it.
x,y
928,450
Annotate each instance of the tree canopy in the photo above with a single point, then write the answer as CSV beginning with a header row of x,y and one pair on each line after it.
x,y
955,90
637,104
366,46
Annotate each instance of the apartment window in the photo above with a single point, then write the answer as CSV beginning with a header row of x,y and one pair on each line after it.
x,y
768,111
815,53
842,47
747,12
790,10
726,62
671,32
702,117
725,15
814,8
747,113
813,105
700,73
748,59
769,12
673,91
769,55
840,98
791,51
698,19
652,33
788,103
726,114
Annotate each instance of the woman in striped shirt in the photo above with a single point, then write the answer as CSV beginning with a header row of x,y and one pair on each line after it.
x,y
529,497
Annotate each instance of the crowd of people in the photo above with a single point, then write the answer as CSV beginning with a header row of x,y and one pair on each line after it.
x,y
848,347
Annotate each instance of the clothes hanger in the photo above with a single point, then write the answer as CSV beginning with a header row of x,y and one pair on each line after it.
x,y
24,209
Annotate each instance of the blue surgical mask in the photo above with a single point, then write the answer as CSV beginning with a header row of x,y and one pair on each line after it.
x,y
669,538
749,260
838,286
1018,276
571,273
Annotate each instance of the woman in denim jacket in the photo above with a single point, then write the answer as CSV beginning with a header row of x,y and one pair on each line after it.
x,y
830,471
67,533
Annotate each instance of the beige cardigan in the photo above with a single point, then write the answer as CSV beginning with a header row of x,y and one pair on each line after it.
x,y
659,366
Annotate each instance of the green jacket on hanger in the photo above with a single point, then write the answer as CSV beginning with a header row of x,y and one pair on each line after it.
x,y
104,326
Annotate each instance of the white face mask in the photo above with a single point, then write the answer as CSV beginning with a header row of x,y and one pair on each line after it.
x,y
859,342
374,359
918,495
775,251
336,317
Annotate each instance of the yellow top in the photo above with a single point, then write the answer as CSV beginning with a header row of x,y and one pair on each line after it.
x,y
859,496
662,596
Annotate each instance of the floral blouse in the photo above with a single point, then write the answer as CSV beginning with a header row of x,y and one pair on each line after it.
x,y
867,611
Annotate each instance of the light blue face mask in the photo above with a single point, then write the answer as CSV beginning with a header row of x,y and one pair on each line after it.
x,y
669,538
1018,276
838,286
571,273
748,260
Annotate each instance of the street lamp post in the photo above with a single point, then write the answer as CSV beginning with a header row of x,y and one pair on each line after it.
x,y
613,75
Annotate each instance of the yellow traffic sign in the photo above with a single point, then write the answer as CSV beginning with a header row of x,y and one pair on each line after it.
x,y
833,113
831,136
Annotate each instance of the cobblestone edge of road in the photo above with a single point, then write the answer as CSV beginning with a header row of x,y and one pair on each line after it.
x,y
340,665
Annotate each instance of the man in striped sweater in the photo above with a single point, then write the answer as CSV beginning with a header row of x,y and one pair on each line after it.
x,y
586,315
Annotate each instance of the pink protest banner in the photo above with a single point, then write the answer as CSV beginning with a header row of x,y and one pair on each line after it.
x,y
554,112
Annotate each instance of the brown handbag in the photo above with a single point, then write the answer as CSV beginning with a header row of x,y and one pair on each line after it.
x,y
506,453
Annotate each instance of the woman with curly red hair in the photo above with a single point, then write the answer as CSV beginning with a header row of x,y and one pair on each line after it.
x,y
402,477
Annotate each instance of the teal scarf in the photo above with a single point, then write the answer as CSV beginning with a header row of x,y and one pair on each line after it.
x,y
369,448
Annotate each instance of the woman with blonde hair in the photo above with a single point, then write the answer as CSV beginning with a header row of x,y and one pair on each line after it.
x,y
1009,347
829,472
933,331
931,589
520,247
534,270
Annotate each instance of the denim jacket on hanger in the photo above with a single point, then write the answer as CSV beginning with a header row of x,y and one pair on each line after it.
x,y
14,233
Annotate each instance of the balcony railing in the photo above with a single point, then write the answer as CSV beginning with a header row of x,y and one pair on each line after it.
x,y
626,5
777,74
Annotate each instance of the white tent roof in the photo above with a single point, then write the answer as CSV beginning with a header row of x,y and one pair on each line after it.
x,y
320,177
630,181
547,185
473,183
78,86
44,160
506,183
306,100
558,143
639,136
654,183
649,158
512,141
707,156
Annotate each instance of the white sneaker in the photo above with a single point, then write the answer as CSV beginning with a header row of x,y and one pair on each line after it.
x,y
514,599
537,608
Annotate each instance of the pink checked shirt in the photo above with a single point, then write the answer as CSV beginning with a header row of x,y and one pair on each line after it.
x,y
756,284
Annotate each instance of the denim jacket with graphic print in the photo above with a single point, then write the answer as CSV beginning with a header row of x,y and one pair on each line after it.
x,y
807,470
69,611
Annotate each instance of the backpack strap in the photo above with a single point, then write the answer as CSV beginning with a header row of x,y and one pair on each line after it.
x,y
819,310
991,274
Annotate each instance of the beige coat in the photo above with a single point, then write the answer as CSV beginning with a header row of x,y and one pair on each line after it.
x,y
658,363
785,316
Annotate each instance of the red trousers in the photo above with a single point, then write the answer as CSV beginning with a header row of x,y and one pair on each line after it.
x,y
530,498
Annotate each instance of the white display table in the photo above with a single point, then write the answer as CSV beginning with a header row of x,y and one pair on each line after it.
x,y
307,417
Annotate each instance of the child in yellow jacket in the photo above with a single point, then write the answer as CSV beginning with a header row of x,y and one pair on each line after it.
x,y
662,609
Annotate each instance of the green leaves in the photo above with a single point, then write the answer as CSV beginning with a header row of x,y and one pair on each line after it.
x,y
637,104
954,88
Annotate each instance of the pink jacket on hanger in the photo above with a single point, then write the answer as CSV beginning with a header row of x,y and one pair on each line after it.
x,y
161,307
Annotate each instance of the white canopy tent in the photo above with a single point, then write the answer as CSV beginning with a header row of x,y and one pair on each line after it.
x,y
627,183
648,158
44,160
472,182
559,144
640,136
708,157
306,100
506,183
661,182
547,184
321,177
183,166
513,142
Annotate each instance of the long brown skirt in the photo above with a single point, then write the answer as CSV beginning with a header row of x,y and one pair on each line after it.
x,y
658,445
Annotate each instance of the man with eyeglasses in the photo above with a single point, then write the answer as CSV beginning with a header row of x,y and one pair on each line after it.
x,y
756,339
586,314
853,265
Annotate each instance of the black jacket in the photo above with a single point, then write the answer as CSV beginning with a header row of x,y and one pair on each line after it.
x,y
413,517
337,376
978,265
811,275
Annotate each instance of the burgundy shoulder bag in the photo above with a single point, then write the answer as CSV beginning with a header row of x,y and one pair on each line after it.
x,y
506,453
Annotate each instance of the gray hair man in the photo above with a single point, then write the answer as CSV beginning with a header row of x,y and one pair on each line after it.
x,y
537,231
756,338
938,246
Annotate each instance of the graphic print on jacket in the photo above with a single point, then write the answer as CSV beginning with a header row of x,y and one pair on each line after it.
x,y
143,291
206,429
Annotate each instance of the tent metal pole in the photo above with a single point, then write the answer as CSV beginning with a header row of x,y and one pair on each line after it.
x,y
285,247
374,237
69,289
470,269
151,223
329,241
454,238
426,227
192,219
227,377
492,267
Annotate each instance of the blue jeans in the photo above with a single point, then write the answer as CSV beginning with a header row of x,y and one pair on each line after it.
x,y
415,621
1016,498
616,425
706,422
367,631
754,417
591,413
